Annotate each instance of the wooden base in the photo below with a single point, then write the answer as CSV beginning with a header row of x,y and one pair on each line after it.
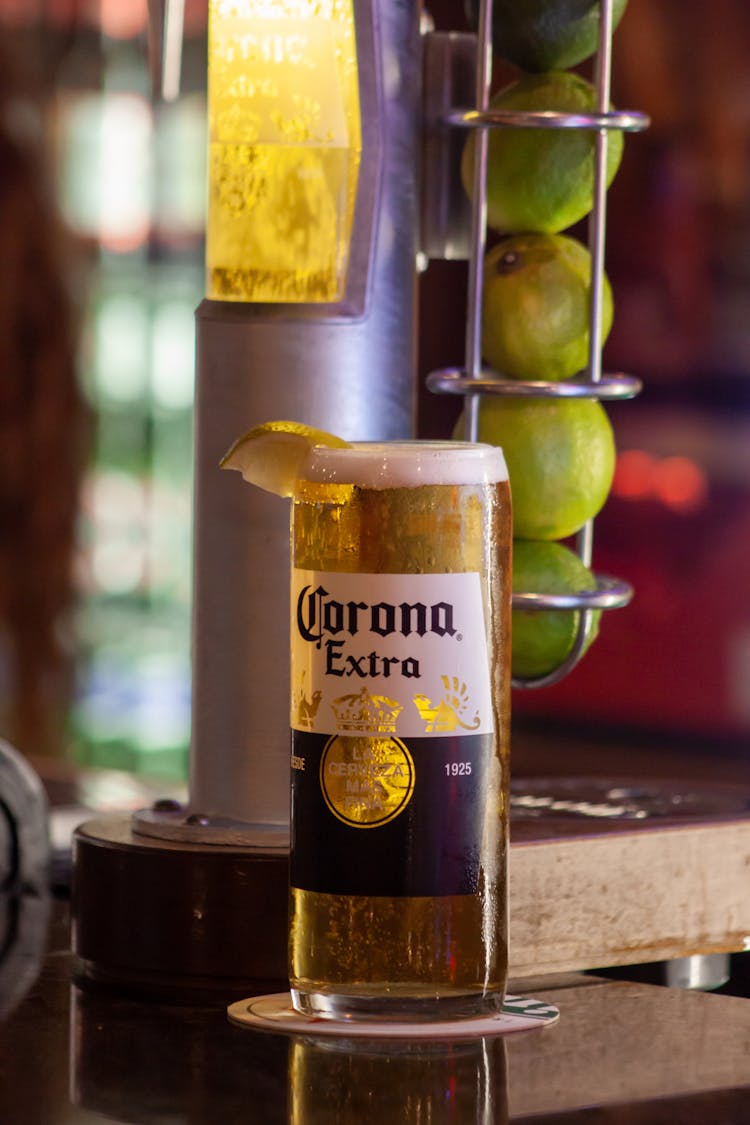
x,y
172,918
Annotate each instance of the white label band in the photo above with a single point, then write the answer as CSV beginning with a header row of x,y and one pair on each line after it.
x,y
402,654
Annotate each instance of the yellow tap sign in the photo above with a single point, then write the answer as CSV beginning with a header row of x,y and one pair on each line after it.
x,y
285,145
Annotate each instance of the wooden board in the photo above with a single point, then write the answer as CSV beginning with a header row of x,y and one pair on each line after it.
x,y
586,894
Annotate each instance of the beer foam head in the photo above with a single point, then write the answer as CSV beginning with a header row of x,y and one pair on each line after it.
x,y
406,464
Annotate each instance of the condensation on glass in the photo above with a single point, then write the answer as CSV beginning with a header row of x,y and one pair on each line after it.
x,y
400,644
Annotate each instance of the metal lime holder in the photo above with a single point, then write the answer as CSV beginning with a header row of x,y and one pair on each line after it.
x,y
473,379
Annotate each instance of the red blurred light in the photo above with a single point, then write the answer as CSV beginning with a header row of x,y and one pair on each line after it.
x,y
680,483
634,475
125,242
677,482
123,19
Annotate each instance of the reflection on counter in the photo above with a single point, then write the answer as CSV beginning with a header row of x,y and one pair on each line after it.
x,y
190,1065
381,1084
146,1063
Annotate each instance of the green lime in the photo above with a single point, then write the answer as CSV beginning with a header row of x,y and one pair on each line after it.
x,y
542,639
560,455
535,307
541,179
545,34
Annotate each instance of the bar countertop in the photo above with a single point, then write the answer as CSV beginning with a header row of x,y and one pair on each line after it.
x,y
621,1052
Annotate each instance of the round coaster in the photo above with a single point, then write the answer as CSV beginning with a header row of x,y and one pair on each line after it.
x,y
276,1014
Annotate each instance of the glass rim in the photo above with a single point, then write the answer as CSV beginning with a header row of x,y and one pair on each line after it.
x,y
406,464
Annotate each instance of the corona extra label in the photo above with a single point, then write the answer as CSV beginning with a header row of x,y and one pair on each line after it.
x,y
391,704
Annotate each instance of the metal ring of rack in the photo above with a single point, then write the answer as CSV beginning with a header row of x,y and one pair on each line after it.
x,y
454,381
472,380
627,121
610,593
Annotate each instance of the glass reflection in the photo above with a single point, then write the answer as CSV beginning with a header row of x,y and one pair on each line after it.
x,y
397,1082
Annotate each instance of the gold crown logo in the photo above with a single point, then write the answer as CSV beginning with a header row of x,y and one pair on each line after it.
x,y
364,712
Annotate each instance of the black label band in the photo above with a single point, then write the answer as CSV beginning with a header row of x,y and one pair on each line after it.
x,y
386,816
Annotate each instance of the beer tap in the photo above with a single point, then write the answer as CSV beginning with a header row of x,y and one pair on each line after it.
x,y
310,314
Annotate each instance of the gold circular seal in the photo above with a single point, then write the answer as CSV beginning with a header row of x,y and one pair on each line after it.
x,y
366,782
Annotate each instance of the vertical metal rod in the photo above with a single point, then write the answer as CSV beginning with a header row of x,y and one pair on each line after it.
x,y
598,218
597,228
174,18
478,236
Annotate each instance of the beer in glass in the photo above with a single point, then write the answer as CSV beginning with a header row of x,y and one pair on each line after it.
x,y
400,692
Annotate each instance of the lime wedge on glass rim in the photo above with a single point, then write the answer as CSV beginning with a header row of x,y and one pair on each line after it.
x,y
271,455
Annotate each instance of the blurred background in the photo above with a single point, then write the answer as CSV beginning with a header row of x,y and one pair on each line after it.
x,y
127,179
101,268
